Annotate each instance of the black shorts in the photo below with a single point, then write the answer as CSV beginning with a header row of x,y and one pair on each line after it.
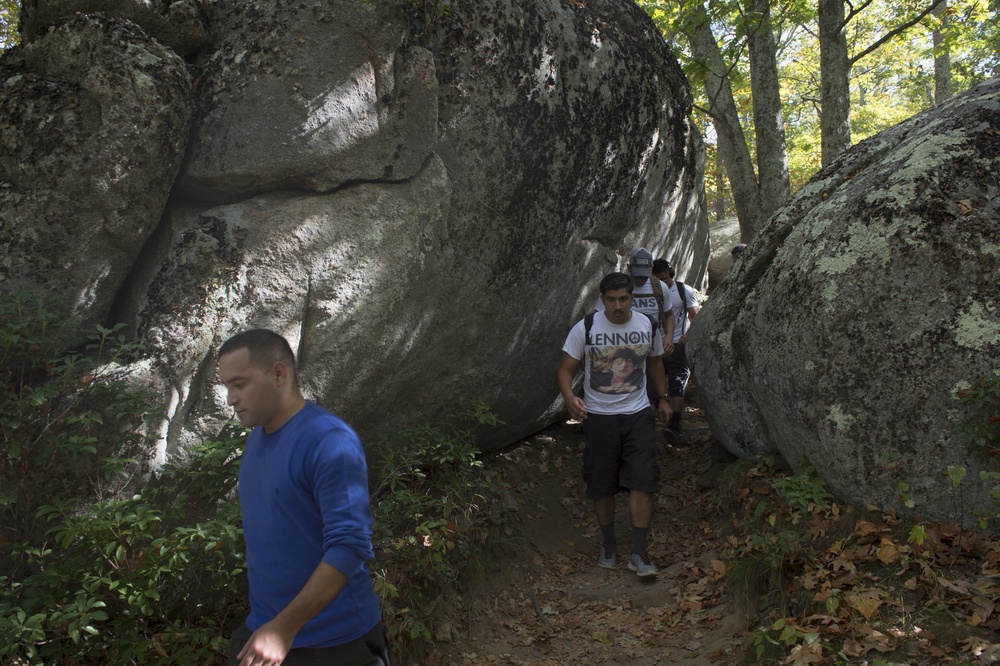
x,y
676,367
620,453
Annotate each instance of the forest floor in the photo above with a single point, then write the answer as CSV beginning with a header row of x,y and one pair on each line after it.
x,y
851,587
545,601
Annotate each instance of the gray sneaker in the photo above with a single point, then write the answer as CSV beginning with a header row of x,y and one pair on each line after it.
x,y
607,559
641,565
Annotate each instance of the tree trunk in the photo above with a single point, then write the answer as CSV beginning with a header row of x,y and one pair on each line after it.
x,y
725,117
834,73
720,187
769,124
942,56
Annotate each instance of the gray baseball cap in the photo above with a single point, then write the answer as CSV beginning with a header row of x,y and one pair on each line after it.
x,y
641,262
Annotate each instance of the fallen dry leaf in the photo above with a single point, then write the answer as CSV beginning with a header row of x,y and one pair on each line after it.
x,y
984,608
888,552
852,648
866,602
805,654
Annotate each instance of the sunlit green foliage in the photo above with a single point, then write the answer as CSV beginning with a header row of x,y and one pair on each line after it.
x,y
887,86
8,23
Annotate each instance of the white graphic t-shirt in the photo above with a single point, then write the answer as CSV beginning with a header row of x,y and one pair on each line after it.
x,y
681,320
614,380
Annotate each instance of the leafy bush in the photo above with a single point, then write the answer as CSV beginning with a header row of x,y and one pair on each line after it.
x,y
96,571
435,507
104,562
982,427
70,426
118,583
774,509
981,430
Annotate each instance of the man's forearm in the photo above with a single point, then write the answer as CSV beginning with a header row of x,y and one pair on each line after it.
x,y
323,586
269,645
669,326
565,380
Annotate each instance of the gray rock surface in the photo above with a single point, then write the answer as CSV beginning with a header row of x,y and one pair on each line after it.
x,y
724,235
423,204
177,24
94,116
309,97
845,332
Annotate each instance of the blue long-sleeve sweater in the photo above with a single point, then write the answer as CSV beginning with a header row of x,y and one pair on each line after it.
x,y
304,496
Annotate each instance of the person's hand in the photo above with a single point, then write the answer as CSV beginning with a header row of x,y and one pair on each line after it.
x,y
668,348
664,411
577,408
268,646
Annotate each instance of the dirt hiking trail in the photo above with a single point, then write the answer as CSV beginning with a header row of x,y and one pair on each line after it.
x,y
543,599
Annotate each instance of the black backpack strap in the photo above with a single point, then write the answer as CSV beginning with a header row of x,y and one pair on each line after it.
x,y
653,321
657,288
684,304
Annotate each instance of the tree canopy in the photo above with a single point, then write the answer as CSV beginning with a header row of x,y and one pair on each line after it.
x,y
845,71
9,10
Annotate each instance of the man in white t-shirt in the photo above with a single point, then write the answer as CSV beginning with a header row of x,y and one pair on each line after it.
x,y
685,306
619,429
650,296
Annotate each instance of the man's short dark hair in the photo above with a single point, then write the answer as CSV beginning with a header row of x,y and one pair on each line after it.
x,y
613,281
662,266
738,250
265,347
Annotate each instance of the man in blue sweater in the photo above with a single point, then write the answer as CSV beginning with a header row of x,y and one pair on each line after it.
x,y
307,520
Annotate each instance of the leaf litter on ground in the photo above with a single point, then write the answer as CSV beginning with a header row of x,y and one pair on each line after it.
x,y
855,586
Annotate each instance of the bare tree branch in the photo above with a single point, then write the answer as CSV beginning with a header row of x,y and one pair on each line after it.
x,y
895,32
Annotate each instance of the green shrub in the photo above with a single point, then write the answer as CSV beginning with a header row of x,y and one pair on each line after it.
x,y
105,562
435,507
124,581
70,426
97,571
982,427
803,491
773,519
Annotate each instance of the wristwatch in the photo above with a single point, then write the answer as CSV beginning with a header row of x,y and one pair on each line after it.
x,y
665,396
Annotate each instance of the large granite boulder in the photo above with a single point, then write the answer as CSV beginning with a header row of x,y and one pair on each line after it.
x,y
94,117
845,332
423,204
724,235
177,24
309,98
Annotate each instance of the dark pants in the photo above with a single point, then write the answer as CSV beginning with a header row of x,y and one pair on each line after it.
x,y
620,452
676,367
369,650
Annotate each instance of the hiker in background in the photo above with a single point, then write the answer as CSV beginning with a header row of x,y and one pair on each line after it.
x,y
619,429
685,306
649,297
719,266
307,520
